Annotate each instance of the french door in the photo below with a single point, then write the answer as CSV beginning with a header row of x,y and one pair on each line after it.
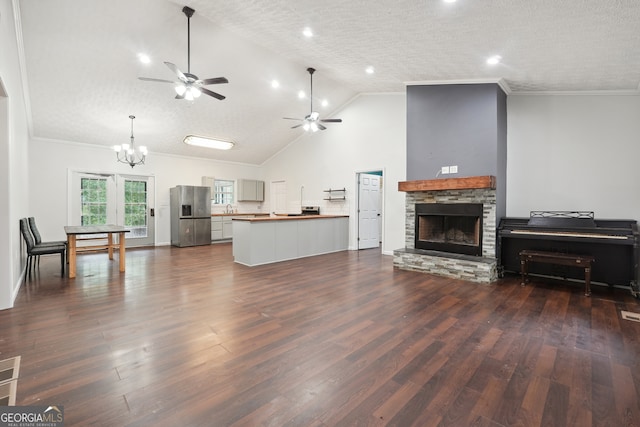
x,y
99,199
134,208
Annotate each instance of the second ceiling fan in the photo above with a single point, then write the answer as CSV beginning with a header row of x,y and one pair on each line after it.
x,y
312,122
189,86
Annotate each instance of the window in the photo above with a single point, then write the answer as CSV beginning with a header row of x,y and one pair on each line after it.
x,y
93,195
223,191
135,207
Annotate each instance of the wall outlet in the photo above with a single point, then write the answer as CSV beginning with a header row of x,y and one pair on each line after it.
x,y
445,170
453,169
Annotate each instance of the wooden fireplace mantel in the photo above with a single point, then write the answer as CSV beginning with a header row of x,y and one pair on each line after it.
x,y
468,183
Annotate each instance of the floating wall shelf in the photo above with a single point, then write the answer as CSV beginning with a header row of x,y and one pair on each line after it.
x,y
335,194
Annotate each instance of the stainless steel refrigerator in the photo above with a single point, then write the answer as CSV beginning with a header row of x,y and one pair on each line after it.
x,y
190,215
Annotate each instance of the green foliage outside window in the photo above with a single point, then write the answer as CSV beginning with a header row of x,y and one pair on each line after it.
x,y
93,193
135,205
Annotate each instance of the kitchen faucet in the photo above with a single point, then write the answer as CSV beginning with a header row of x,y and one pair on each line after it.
x,y
229,209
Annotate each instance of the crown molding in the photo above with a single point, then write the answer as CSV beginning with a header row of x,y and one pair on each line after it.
x,y
627,92
22,63
495,80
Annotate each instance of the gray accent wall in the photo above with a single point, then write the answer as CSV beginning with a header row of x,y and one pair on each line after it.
x,y
463,125
501,155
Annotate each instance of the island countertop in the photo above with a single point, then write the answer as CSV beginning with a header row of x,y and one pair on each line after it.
x,y
285,217
241,214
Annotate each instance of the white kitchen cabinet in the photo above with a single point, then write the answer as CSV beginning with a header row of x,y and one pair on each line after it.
x,y
227,227
250,190
209,181
222,226
216,228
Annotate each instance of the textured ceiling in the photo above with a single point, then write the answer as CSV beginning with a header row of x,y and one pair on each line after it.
x,y
82,67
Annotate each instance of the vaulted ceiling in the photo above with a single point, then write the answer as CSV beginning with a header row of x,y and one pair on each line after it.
x,y
82,66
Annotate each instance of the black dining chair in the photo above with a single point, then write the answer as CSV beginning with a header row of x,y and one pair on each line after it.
x,y
34,251
38,238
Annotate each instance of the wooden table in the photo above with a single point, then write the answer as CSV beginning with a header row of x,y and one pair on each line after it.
x,y
75,230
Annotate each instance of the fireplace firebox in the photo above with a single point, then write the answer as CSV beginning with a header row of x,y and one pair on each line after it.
x,y
449,227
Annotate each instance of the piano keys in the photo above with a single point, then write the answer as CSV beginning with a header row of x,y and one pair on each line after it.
x,y
569,234
613,244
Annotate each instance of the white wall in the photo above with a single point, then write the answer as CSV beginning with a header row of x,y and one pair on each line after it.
x,y
372,136
574,152
51,161
13,164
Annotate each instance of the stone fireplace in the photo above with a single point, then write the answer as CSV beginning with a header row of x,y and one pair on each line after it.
x,y
450,228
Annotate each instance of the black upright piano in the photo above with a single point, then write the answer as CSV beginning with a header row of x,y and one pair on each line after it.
x,y
613,244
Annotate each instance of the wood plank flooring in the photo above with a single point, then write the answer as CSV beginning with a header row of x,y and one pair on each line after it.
x,y
186,337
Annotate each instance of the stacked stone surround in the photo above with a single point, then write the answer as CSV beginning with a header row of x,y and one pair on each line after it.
x,y
466,267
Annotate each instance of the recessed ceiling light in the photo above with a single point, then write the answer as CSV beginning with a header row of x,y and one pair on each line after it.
x,y
369,70
449,1
144,58
275,84
203,141
307,32
324,103
493,60
301,94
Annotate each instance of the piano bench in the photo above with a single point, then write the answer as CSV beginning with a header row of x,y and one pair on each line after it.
x,y
584,261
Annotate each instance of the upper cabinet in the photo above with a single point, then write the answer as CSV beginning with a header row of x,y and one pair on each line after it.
x,y
250,190
208,181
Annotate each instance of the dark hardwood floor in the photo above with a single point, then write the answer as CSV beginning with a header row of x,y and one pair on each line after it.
x,y
188,338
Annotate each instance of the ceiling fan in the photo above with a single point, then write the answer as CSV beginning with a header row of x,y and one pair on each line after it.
x,y
312,121
189,86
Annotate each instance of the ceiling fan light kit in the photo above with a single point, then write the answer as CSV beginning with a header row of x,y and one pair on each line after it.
x,y
187,92
126,153
189,86
312,121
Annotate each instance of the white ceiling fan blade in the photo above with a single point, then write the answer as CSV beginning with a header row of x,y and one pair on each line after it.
x,y
149,79
177,72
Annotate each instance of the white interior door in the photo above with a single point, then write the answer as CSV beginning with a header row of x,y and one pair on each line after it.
x,y
369,210
278,196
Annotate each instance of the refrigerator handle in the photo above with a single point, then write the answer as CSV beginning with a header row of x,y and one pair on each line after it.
x,y
152,212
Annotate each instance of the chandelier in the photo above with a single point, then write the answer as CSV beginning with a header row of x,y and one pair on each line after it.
x,y
126,153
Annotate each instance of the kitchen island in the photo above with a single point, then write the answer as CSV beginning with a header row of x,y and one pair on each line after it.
x,y
222,224
265,240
